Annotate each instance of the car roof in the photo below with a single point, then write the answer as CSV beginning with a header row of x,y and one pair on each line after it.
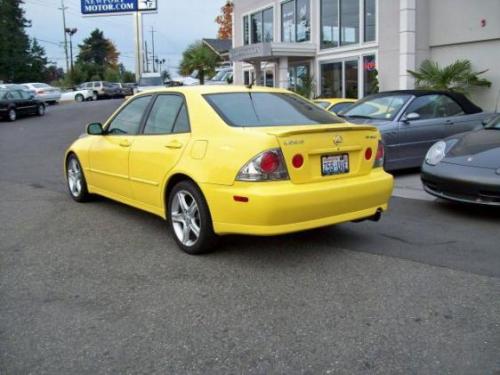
x,y
336,100
461,99
215,89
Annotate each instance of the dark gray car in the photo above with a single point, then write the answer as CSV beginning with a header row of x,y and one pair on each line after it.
x,y
411,121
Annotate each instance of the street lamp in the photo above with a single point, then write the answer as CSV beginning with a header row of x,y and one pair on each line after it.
x,y
160,62
71,32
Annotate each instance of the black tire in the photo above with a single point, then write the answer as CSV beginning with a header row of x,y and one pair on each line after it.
x,y
79,98
95,96
82,194
12,115
40,110
207,239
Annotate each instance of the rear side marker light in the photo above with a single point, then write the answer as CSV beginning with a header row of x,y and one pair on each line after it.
x,y
298,161
238,198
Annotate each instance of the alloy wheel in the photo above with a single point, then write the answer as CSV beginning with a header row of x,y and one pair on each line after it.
x,y
75,177
12,115
185,217
41,110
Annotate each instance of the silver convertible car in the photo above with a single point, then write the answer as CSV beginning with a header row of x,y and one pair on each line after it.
x,y
411,121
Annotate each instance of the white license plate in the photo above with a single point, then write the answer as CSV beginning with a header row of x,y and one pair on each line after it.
x,y
334,164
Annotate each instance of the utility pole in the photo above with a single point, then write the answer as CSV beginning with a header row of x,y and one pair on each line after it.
x,y
146,55
71,32
153,47
139,57
63,9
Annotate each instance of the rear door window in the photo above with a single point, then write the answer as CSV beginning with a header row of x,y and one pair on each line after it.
x,y
256,109
163,114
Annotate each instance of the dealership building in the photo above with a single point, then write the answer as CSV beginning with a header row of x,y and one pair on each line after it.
x,y
351,48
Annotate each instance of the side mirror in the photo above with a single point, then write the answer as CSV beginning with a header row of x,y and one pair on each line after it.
x,y
411,117
95,128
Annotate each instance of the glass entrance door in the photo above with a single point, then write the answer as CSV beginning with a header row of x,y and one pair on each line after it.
x,y
340,79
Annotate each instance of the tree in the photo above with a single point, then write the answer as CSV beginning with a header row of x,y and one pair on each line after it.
x,y
457,76
38,63
198,57
14,42
225,21
97,55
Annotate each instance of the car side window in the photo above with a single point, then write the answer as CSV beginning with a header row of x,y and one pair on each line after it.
x,y
182,122
163,115
336,108
425,106
15,95
448,107
25,94
128,120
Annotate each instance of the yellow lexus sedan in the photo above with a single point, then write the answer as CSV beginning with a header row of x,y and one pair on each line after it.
x,y
216,160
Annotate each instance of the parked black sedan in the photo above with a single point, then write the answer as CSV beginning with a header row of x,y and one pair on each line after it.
x,y
15,102
466,167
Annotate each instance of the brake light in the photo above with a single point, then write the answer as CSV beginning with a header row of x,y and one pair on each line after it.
x,y
40,92
267,166
379,157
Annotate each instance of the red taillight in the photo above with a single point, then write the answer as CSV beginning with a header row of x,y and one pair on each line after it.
x,y
298,161
269,162
368,153
40,91
379,158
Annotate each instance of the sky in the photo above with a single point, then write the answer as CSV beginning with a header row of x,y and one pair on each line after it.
x,y
178,23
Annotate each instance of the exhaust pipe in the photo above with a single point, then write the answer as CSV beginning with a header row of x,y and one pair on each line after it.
x,y
376,217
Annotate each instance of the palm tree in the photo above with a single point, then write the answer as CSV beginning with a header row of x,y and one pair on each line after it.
x,y
198,57
457,76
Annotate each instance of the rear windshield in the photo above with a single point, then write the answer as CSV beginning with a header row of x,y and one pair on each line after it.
x,y
267,109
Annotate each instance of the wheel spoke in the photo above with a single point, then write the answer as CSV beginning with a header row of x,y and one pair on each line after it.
x,y
185,233
177,218
194,228
182,202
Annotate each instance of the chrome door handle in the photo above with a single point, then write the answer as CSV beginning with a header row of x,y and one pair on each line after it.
x,y
174,144
125,143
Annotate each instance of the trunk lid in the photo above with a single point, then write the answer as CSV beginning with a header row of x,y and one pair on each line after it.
x,y
321,147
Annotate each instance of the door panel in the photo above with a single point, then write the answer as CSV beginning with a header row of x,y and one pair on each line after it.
x,y
417,136
151,159
157,151
109,153
109,156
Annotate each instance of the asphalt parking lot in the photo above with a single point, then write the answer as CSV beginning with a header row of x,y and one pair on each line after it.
x,y
101,288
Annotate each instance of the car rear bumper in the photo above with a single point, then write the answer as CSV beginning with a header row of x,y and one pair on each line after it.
x,y
283,207
462,183
49,97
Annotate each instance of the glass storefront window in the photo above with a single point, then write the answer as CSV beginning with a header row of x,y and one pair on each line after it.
x,y
351,79
267,16
331,80
303,21
260,27
296,76
295,21
288,21
370,75
256,27
329,23
370,19
246,31
349,22
340,22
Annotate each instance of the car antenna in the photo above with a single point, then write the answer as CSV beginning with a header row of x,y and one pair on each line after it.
x,y
250,85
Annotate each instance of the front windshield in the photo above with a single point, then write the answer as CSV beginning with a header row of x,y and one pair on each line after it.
x,y
377,108
151,81
495,124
